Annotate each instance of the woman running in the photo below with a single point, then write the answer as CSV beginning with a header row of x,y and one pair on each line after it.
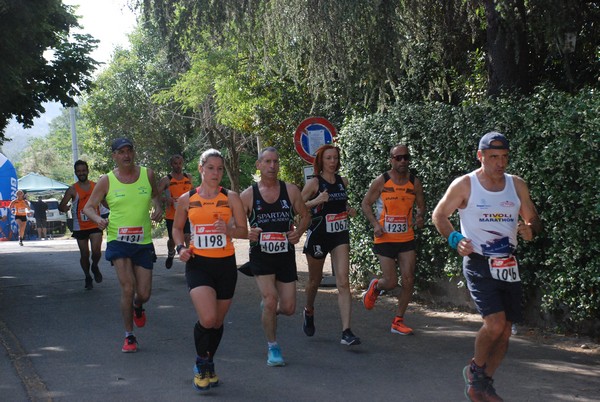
x,y
20,206
216,216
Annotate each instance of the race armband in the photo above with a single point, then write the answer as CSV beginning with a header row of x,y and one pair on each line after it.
x,y
454,238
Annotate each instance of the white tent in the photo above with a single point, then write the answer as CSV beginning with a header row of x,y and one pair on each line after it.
x,y
36,183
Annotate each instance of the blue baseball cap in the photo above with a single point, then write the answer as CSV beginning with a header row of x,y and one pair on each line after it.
x,y
486,141
120,143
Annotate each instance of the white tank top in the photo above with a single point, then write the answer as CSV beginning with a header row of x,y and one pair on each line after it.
x,y
490,218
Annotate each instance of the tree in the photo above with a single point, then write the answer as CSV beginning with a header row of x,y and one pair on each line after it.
x,y
121,105
29,29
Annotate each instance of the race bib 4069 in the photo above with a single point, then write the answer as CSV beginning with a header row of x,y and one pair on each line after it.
x,y
273,242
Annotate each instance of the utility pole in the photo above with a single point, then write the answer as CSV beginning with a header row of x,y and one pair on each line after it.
x,y
74,148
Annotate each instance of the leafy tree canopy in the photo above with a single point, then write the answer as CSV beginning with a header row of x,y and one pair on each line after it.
x,y
39,61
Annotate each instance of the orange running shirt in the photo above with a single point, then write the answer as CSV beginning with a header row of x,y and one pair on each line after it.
x,y
394,211
176,188
80,220
20,207
202,214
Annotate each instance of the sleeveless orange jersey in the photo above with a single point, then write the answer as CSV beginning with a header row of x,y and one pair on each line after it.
x,y
177,188
394,211
80,220
202,214
20,207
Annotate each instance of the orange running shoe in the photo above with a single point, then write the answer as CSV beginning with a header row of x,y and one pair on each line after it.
x,y
398,327
370,296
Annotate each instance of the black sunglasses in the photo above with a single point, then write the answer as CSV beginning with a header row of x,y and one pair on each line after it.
x,y
398,158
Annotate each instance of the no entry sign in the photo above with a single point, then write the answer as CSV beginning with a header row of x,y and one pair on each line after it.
x,y
311,134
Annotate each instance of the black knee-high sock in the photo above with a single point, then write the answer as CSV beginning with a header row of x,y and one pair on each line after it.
x,y
215,338
202,340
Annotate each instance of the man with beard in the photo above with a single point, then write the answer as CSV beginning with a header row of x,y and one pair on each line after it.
x,y
84,229
173,185
395,193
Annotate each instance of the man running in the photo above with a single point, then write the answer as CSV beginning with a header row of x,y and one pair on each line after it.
x,y
489,203
85,231
271,206
129,190
395,191
172,186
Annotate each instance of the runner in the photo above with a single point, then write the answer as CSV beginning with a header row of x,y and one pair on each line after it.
x,y
326,195
85,231
19,206
271,206
217,216
129,190
395,191
489,203
172,186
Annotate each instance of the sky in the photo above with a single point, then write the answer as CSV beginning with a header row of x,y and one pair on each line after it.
x,y
109,21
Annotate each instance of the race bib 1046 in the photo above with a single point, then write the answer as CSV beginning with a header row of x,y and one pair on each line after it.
x,y
273,242
131,234
336,223
207,236
395,224
505,269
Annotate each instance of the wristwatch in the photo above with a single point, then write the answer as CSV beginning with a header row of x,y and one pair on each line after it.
x,y
178,248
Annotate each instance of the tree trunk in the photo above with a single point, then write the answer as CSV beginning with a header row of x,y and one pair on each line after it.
x,y
507,49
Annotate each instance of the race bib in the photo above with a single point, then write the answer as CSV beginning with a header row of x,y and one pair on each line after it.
x,y
505,269
83,217
207,236
21,211
131,234
336,223
273,242
395,224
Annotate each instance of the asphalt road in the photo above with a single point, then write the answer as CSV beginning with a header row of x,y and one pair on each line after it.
x,y
63,343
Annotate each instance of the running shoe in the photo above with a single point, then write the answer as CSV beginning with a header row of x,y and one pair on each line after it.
x,y
130,345
201,376
169,261
139,316
370,296
398,327
89,283
97,273
213,378
274,357
20,242
308,326
479,387
514,330
348,338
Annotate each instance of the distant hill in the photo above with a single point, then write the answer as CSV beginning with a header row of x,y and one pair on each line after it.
x,y
19,136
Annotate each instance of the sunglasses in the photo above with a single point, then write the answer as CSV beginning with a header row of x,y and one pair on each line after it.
x,y
398,158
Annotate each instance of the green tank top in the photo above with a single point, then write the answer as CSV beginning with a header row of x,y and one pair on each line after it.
x,y
129,205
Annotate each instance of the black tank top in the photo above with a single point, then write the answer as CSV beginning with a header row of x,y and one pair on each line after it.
x,y
338,199
275,217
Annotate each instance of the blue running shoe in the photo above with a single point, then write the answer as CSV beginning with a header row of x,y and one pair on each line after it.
x,y
274,357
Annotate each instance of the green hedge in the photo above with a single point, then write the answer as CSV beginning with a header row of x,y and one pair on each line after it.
x,y
555,141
